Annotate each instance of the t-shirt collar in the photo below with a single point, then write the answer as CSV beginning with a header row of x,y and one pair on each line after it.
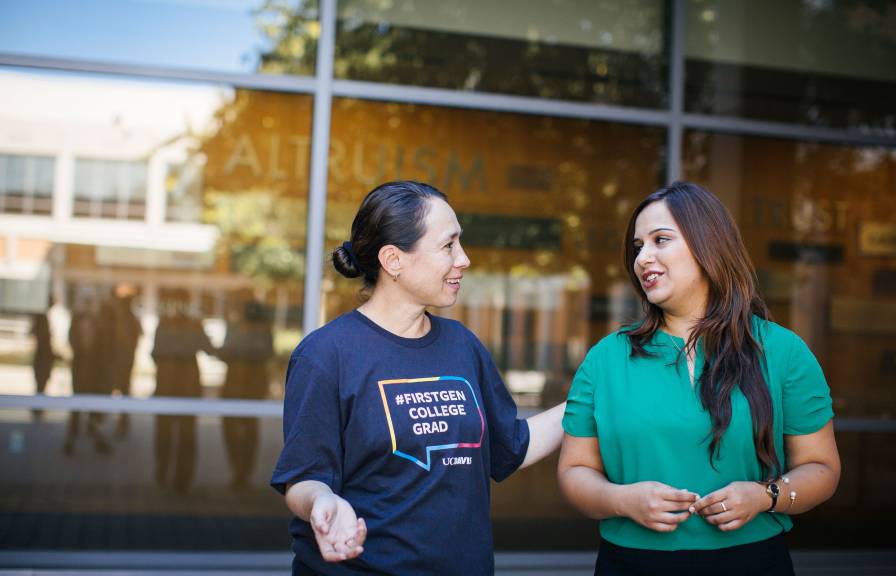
x,y
425,340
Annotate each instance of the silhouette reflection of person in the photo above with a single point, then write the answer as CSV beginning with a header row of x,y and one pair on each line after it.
x,y
87,339
125,331
179,336
44,356
247,348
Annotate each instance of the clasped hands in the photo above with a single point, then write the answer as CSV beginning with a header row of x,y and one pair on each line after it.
x,y
340,534
662,508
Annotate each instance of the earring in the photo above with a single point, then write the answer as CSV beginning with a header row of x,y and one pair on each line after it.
x,y
395,277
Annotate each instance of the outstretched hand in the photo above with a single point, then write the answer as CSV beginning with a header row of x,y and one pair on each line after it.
x,y
340,534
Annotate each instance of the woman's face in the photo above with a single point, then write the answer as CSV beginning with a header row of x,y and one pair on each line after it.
x,y
432,272
668,272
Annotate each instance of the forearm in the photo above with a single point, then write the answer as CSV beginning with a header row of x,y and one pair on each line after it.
x,y
811,484
300,497
545,434
591,492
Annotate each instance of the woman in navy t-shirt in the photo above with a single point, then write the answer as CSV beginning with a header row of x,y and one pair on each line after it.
x,y
395,419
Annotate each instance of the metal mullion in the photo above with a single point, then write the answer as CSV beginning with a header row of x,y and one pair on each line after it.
x,y
28,184
258,408
320,151
280,83
733,125
357,89
170,405
675,131
4,162
154,405
364,90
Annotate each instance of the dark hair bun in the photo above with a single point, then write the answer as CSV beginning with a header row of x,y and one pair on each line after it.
x,y
392,213
344,263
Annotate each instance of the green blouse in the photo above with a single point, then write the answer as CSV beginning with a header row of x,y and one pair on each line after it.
x,y
652,426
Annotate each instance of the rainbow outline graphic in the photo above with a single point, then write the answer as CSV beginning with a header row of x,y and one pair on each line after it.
x,y
429,449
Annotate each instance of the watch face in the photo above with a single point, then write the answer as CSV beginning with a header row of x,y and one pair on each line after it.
x,y
772,489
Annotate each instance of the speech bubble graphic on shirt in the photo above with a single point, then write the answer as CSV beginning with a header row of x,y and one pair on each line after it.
x,y
426,415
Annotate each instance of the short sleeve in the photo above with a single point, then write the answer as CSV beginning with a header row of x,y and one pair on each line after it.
x,y
508,435
807,398
312,439
579,417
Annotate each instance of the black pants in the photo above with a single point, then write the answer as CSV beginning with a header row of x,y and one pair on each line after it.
x,y
764,558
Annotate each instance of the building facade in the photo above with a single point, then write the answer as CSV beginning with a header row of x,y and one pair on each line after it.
x,y
173,176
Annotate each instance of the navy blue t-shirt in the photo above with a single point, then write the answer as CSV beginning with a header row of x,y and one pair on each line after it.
x,y
409,431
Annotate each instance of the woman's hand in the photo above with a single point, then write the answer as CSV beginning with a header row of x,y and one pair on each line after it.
x,y
583,480
340,534
657,506
731,507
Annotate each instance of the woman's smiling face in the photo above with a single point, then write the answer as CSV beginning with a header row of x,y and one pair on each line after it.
x,y
432,272
669,275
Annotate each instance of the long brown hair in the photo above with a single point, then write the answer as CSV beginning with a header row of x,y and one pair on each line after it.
x,y
733,358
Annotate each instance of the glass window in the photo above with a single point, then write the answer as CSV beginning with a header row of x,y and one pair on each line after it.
x,y
609,51
818,221
110,188
201,303
157,483
543,203
821,63
26,184
266,36
199,198
183,190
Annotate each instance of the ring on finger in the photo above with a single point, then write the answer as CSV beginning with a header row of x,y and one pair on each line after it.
x,y
724,508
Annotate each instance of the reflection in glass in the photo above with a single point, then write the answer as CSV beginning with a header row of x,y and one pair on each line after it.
x,y
126,330
267,36
110,188
608,51
818,221
179,336
802,208
161,188
818,63
87,500
89,339
542,202
93,501
26,184
103,335
183,190
247,350
44,356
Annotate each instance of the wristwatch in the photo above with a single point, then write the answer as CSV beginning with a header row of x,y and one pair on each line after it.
x,y
772,490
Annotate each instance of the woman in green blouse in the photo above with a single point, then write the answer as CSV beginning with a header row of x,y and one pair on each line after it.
x,y
695,434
